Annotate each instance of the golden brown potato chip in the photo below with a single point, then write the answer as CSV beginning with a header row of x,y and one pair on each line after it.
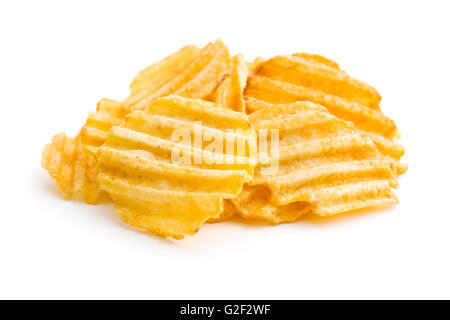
x,y
315,72
321,160
231,90
73,168
304,77
174,197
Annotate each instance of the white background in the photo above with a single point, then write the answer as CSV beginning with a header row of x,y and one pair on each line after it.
x,y
58,58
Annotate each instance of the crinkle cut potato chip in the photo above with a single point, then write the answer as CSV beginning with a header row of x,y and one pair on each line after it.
x,y
73,168
174,199
314,71
150,78
322,161
305,77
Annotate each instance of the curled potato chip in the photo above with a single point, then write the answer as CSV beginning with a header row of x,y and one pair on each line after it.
x,y
305,77
321,160
174,198
231,90
73,168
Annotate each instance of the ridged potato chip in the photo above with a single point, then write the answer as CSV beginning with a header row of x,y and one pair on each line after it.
x,y
73,168
174,198
305,77
321,160
316,72
154,76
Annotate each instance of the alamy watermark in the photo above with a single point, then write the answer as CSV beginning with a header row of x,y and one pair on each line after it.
x,y
206,145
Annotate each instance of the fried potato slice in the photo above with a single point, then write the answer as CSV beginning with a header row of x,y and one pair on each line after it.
x,y
174,198
276,92
322,160
199,77
73,168
319,73
231,90
305,77
190,72
151,78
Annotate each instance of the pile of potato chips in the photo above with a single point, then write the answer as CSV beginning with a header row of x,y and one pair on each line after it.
x,y
204,136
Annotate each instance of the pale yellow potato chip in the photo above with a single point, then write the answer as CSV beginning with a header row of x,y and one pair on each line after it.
x,y
321,160
73,168
171,197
